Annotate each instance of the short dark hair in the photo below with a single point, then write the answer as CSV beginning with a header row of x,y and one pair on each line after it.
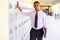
x,y
36,2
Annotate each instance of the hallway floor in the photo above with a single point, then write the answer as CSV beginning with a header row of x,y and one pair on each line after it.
x,y
53,28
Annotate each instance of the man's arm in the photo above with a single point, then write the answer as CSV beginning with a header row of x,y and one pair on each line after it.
x,y
18,6
45,28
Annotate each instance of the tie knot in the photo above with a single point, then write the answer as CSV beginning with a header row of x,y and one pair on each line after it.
x,y
36,11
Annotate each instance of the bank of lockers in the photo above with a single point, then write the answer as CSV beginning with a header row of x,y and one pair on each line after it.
x,y
19,25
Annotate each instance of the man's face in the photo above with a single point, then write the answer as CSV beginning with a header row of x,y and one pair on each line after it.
x,y
37,6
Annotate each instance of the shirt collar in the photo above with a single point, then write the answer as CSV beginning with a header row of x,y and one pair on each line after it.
x,y
38,11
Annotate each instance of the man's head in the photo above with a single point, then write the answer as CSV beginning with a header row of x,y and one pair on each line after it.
x,y
36,5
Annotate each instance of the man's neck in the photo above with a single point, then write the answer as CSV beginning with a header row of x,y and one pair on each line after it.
x,y
37,10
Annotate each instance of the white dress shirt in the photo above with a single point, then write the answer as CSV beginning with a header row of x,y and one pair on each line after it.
x,y
41,18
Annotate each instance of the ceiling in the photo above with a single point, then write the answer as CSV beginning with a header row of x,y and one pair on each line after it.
x,y
47,0
52,1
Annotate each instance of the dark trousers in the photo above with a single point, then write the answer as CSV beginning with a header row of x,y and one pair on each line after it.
x,y
36,34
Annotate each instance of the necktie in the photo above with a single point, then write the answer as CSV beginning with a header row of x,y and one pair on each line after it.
x,y
36,19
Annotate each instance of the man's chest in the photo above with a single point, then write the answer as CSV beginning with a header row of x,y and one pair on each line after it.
x,y
40,16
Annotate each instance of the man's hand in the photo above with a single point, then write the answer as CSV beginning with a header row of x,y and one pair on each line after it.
x,y
45,32
44,35
18,6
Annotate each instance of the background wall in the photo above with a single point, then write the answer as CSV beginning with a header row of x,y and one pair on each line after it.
x,y
4,20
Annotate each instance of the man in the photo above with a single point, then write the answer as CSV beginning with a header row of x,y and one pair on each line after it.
x,y
38,21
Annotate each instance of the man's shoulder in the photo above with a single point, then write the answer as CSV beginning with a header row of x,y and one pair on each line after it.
x,y
42,12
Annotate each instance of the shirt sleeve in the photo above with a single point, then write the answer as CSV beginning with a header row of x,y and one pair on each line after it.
x,y
44,20
26,12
